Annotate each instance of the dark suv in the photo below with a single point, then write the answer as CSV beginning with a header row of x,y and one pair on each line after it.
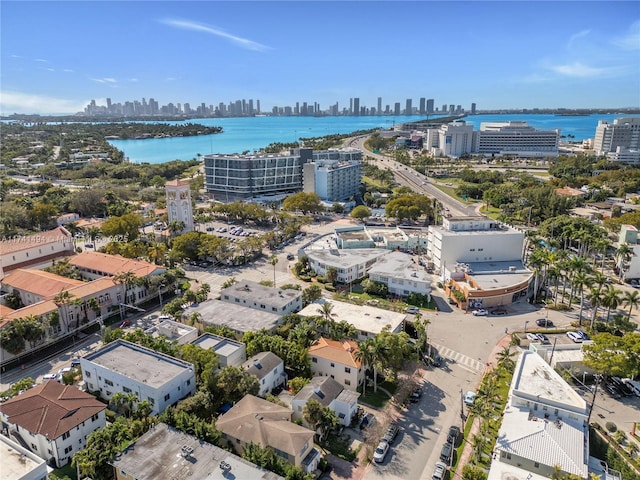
x,y
445,453
454,432
392,433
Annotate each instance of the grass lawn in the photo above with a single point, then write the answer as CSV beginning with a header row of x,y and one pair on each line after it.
x,y
380,398
339,447
492,212
66,471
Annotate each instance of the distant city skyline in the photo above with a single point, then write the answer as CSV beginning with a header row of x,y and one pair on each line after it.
x,y
57,56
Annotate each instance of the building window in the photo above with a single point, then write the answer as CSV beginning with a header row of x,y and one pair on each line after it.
x,y
536,465
34,447
333,365
87,374
347,382
108,382
189,382
314,360
65,435
167,396
347,370
126,389
68,449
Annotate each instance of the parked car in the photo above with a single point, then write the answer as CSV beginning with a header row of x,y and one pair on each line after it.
x,y
290,256
75,362
88,245
126,323
480,312
367,421
499,311
543,322
209,229
391,434
381,451
469,398
577,338
439,471
533,337
164,317
543,338
584,335
445,453
413,310
416,395
454,433
50,376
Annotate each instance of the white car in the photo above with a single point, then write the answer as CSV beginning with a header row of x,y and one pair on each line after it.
x,y
439,472
413,310
576,337
50,376
469,398
533,337
381,451
480,312
64,370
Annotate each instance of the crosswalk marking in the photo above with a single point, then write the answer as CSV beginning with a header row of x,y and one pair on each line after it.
x,y
460,359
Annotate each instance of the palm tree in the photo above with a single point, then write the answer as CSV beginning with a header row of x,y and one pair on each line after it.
x,y
623,255
504,359
611,299
273,260
580,281
595,298
631,300
63,299
364,355
93,234
126,280
328,316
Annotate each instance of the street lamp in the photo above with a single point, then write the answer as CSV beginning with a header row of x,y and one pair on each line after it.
x,y
525,326
160,287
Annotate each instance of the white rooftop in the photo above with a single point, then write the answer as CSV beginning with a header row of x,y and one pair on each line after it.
x,y
220,345
363,317
255,292
19,463
346,258
236,317
400,265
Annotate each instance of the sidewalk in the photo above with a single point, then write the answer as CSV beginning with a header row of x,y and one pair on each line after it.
x,y
467,452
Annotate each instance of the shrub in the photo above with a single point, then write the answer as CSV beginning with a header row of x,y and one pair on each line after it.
x,y
329,287
610,426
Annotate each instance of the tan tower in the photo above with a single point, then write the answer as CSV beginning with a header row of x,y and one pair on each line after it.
x,y
179,203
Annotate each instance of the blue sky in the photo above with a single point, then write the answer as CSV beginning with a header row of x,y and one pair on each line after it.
x,y
57,56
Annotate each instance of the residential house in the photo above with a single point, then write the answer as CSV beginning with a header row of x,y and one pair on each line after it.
x,y
174,332
228,351
330,394
164,453
125,367
269,369
338,360
52,420
256,421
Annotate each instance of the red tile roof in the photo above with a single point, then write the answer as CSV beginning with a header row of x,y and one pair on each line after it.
x,y
40,283
57,235
113,264
51,409
340,352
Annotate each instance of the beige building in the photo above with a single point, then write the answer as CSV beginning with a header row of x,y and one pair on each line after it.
x,y
330,358
256,421
35,250
179,209
259,297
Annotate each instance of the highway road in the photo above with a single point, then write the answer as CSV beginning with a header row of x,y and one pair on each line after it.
x,y
416,181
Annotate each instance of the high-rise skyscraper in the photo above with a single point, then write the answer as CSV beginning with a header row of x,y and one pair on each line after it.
x,y
430,103
422,106
473,109
356,106
408,110
396,110
379,105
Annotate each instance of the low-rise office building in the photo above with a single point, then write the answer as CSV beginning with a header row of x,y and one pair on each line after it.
x,y
268,369
515,139
35,250
124,367
230,352
52,420
164,453
351,265
337,360
259,297
401,275
236,317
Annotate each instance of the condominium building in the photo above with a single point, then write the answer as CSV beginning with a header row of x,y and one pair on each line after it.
x,y
338,360
515,138
230,178
624,132
259,297
401,275
124,367
52,421
334,175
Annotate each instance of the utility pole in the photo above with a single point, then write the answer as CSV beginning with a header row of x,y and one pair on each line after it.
x,y
593,399
461,411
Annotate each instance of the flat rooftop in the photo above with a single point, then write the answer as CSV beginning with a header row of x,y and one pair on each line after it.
x,y
220,345
159,455
17,462
346,258
363,317
138,363
400,265
495,275
253,291
236,317
171,330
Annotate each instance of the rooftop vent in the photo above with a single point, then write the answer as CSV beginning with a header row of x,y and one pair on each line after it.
x,y
512,269
186,451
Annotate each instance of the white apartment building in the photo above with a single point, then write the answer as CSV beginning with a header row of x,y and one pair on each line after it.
x,y
330,394
52,421
330,358
624,132
125,367
624,155
174,331
629,236
229,352
260,297
401,275
334,175
269,369
515,138
19,463
178,196
351,265
544,425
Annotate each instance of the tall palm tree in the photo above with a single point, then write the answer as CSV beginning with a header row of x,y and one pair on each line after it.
x,y
581,280
611,299
125,280
62,300
328,315
595,298
631,300
623,255
364,355
93,234
273,260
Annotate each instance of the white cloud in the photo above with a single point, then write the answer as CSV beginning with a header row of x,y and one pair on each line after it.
x,y
575,37
631,40
133,80
198,27
68,70
41,60
105,80
578,69
20,102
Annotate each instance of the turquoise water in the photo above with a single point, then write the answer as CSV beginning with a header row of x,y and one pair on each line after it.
x,y
252,133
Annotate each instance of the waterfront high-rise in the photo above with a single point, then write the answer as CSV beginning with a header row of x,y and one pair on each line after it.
x,y
356,106
430,106
396,109
408,110
379,105
422,110
473,109
623,132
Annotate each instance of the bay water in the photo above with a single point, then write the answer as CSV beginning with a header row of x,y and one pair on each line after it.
x,y
249,134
